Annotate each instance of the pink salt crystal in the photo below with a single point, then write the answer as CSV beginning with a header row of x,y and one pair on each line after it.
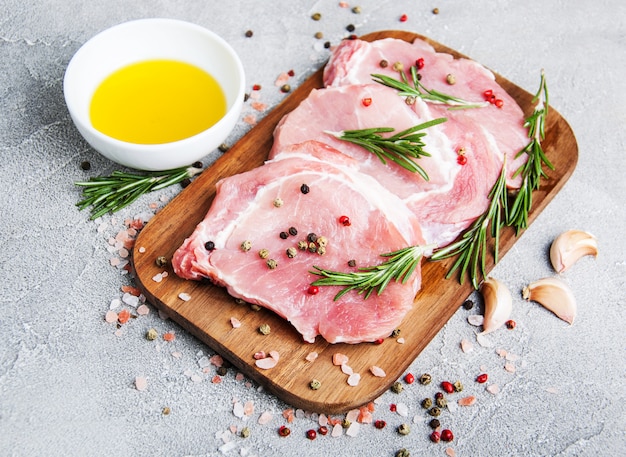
x,y
216,379
177,355
143,310
239,377
475,319
339,359
337,431
184,296
259,355
282,79
266,363
552,390
353,429
238,409
259,106
110,317
123,253
233,429
510,367
250,119
512,357
483,340
217,360
236,323
343,4
141,383
352,415
501,352
265,417
353,379
466,345
377,371
158,277
114,261
275,355
322,419
493,389
248,408
346,369
450,452
400,340
311,356
467,401
118,332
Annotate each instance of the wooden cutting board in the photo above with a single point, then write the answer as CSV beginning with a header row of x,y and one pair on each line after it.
x,y
207,314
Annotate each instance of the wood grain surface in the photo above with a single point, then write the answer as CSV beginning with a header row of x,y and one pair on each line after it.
x,y
207,314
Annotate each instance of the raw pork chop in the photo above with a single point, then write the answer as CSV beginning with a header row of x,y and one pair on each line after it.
x,y
245,209
454,196
354,61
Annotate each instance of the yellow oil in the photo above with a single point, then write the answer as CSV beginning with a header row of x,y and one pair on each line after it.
x,y
157,101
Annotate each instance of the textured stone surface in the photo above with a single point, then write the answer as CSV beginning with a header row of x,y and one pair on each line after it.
x,y
68,381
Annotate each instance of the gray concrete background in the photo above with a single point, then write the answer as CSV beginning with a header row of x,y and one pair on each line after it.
x,y
66,377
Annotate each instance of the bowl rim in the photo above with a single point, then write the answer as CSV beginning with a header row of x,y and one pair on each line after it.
x,y
138,148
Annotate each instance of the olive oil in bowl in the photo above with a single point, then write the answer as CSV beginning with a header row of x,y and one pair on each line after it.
x,y
156,102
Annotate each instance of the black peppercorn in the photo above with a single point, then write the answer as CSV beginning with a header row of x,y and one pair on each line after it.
x,y
304,189
209,245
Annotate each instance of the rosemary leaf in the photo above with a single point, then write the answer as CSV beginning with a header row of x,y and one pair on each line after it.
x,y
399,148
472,248
405,89
532,170
112,193
399,266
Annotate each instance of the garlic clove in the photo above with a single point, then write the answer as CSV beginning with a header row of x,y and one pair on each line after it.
x,y
555,295
498,304
570,246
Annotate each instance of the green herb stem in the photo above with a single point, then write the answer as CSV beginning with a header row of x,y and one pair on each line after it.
x,y
112,193
399,148
399,266
472,248
405,89
532,170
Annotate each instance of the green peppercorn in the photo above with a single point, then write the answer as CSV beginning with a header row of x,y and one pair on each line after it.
x,y
458,387
315,384
346,423
322,241
427,403
278,202
404,429
319,35
441,402
255,307
425,379
434,411
245,432
434,423
246,245
396,333
312,247
271,264
303,245
321,250
397,387
166,411
264,253
316,16
451,79
403,453
291,252
152,335
161,261
285,88
356,10
265,329
223,148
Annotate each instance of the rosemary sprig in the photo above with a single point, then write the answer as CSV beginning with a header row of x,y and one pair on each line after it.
x,y
112,193
532,170
418,90
399,148
399,266
472,247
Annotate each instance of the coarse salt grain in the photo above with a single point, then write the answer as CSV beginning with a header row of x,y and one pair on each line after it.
x,y
158,277
227,447
238,410
493,389
353,429
400,340
195,377
204,362
353,379
402,409
311,356
483,340
475,319
143,310
141,383
115,303
450,452
346,369
110,317
248,408
141,249
266,363
377,371
466,345
275,355
337,431
510,367
184,296
236,323
265,417
339,359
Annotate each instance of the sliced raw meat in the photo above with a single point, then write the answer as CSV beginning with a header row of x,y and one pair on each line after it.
x,y
455,194
245,209
354,62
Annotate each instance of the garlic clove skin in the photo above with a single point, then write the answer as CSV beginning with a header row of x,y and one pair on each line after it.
x,y
498,304
570,246
555,295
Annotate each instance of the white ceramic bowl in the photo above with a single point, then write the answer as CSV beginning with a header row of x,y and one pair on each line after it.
x,y
147,39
